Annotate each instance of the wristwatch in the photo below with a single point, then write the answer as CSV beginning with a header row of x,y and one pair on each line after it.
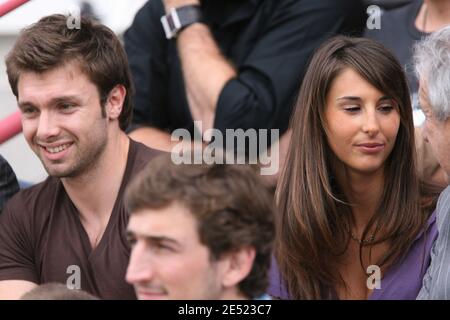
x,y
179,18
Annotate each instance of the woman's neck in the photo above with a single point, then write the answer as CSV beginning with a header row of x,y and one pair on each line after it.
x,y
364,192
433,15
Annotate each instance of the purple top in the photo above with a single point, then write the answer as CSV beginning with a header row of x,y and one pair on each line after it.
x,y
402,281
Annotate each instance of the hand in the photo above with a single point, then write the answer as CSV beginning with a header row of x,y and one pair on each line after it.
x,y
168,4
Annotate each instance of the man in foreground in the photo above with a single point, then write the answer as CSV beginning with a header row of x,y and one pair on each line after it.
x,y
199,232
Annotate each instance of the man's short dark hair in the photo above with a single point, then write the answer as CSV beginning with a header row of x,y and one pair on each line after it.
x,y
231,204
56,291
50,43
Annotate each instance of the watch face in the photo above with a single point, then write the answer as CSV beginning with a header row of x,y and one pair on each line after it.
x,y
171,22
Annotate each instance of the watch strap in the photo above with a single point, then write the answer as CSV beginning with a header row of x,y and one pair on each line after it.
x,y
179,18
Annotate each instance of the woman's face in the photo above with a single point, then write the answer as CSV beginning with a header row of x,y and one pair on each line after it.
x,y
361,122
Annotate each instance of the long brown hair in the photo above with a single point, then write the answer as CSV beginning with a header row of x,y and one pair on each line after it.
x,y
314,217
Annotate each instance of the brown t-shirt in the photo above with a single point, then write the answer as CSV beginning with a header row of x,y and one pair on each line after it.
x,y
42,239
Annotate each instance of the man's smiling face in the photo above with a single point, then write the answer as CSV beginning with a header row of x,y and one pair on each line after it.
x,y
62,119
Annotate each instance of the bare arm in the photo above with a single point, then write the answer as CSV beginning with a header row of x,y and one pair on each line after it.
x,y
205,71
14,289
153,138
281,146
160,140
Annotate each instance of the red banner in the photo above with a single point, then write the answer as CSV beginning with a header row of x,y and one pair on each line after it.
x,y
10,5
10,126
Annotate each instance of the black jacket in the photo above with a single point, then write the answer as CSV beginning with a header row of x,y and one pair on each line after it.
x,y
8,182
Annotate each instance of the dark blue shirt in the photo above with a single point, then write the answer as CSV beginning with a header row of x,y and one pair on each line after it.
x,y
268,42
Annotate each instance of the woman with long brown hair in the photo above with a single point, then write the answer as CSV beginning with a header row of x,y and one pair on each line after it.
x,y
354,221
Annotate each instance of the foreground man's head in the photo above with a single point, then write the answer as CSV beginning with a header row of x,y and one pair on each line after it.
x,y
199,232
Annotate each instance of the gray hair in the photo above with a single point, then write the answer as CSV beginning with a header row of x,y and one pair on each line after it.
x,y
432,63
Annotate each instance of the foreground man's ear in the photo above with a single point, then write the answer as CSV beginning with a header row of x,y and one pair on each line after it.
x,y
238,265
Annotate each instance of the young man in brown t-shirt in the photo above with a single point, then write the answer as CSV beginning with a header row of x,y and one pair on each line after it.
x,y
73,88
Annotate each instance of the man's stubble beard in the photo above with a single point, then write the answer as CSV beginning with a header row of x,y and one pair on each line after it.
x,y
85,159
